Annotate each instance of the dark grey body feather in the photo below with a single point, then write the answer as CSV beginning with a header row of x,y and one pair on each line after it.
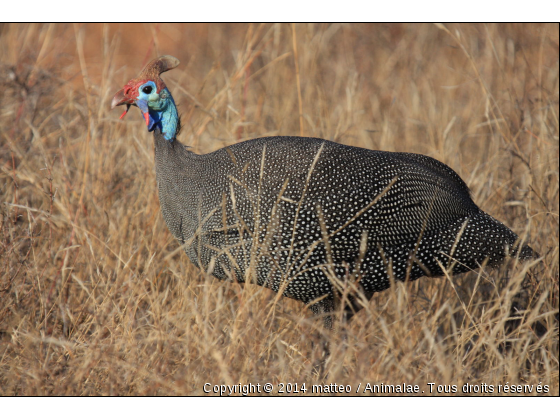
x,y
284,212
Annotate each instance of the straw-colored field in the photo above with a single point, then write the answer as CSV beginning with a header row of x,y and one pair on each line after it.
x,y
95,299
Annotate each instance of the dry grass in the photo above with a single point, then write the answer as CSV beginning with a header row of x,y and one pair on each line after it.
x,y
94,297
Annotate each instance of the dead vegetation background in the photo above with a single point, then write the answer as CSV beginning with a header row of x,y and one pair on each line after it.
x,y
94,297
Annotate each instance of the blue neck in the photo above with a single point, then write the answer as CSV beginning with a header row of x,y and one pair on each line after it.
x,y
163,115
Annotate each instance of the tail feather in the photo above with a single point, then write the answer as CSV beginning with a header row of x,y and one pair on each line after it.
x,y
481,238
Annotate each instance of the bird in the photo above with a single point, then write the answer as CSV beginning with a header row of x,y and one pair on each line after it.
x,y
324,223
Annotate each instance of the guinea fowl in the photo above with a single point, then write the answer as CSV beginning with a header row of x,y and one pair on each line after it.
x,y
310,218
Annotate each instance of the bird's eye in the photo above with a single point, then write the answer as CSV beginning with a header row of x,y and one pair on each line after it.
x,y
147,89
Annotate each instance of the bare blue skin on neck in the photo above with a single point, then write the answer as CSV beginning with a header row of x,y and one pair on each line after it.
x,y
161,110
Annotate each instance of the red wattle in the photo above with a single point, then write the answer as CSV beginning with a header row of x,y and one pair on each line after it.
x,y
147,118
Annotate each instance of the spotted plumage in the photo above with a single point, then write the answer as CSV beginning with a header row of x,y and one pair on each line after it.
x,y
306,216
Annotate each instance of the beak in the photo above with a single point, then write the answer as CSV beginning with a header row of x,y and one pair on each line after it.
x,y
121,98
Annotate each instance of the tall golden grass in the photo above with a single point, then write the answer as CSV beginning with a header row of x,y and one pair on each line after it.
x,y
95,298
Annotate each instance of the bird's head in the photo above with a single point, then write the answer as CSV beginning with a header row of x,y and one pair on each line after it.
x,y
149,93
